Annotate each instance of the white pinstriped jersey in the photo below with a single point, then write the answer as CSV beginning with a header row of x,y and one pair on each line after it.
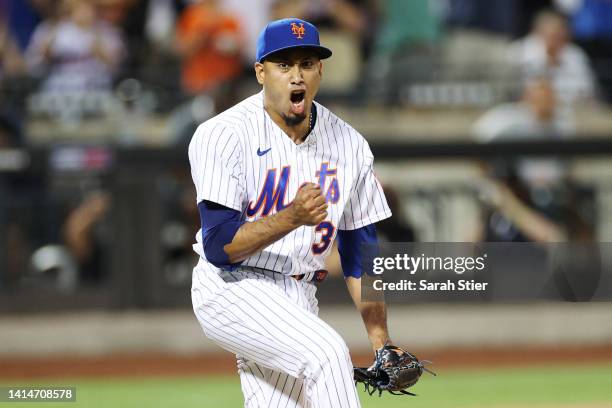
x,y
241,159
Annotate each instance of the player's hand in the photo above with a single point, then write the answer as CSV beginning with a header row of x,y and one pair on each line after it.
x,y
309,206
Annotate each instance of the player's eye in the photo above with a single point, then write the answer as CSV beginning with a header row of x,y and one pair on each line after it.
x,y
307,64
283,65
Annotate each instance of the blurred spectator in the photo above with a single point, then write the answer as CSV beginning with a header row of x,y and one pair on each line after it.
x,y
530,199
44,245
81,235
536,115
548,51
209,43
76,53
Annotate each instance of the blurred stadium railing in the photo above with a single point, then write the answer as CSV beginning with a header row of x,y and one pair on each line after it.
x,y
94,227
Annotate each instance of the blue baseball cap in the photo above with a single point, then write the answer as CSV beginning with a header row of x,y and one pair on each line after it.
x,y
289,33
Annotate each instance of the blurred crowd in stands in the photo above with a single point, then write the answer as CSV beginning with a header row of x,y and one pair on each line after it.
x,y
526,64
68,60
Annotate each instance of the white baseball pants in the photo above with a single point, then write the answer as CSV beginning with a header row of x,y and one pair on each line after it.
x,y
286,355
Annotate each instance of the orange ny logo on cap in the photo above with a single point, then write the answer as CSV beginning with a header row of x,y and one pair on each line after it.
x,y
298,30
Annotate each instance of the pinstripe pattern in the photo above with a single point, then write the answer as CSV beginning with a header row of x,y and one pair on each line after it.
x,y
286,355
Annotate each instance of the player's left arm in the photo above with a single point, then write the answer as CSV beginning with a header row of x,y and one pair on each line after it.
x,y
374,314
366,205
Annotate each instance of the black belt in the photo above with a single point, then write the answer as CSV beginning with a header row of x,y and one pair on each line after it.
x,y
319,276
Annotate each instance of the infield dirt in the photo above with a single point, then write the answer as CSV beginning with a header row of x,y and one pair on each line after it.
x,y
151,365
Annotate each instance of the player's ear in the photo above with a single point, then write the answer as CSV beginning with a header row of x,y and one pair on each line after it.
x,y
320,68
259,72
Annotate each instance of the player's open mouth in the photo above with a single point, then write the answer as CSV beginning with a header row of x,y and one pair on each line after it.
x,y
297,101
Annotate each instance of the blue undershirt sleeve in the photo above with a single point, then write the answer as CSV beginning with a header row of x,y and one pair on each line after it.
x,y
350,247
219,226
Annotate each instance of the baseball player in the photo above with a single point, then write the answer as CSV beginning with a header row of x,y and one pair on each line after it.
x,y
279,177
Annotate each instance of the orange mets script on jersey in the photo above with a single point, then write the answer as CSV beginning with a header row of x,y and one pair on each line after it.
x,y
298,30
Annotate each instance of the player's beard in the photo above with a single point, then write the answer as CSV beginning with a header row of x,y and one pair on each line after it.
x,y
293,119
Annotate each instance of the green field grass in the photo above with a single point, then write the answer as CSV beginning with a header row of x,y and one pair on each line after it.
x,y
544,386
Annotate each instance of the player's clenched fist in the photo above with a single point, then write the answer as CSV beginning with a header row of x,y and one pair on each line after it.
x,y
309,206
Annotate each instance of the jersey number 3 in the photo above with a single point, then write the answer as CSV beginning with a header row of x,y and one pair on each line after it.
x,y
327,230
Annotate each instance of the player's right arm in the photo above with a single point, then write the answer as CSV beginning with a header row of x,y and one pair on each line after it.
x,y
307,208
227,240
